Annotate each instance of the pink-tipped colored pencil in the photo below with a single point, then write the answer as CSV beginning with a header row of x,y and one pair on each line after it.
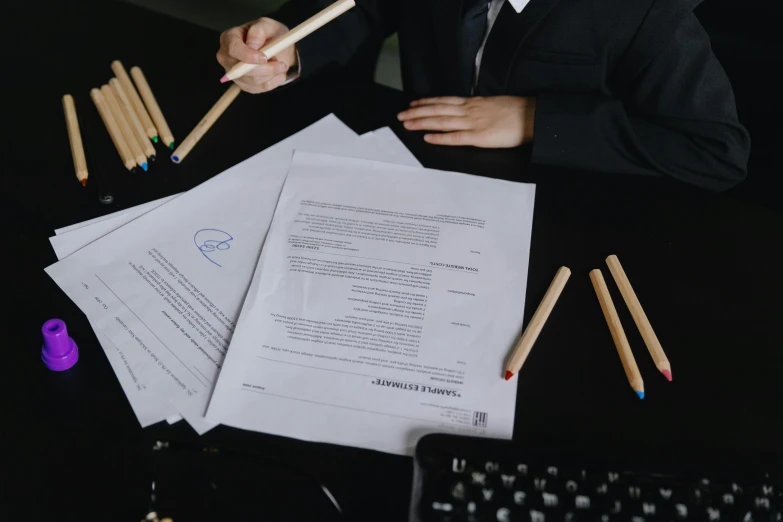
x,y
639,317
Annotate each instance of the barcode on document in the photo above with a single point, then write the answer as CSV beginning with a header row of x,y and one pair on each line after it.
x,y
479,419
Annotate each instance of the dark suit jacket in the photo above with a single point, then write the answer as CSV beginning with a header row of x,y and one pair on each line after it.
x,y
626,86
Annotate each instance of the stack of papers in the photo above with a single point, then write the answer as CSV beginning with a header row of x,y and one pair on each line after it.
x,y
328,288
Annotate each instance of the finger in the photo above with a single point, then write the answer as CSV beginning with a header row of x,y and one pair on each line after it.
x,y
440,123
258,33
248,86
274,83
452,138
431,110
238,50
224,59
447,100
267,70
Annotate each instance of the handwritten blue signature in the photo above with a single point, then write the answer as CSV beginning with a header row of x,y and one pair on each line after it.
x,y
210,240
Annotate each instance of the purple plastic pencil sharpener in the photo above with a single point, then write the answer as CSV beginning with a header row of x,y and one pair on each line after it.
x,y
59,352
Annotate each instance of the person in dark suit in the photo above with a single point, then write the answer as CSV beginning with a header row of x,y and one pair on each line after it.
x,y
622,86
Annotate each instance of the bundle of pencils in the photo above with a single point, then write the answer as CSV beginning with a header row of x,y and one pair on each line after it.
x,y
134,126
529,336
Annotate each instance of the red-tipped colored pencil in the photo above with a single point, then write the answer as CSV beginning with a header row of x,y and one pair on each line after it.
x,y
529,336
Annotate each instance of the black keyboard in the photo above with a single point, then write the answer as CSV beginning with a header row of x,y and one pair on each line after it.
x,y
486,480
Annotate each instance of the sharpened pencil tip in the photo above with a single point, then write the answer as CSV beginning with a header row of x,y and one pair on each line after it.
x,y
225,79
640,394
84,182
154,139
171,145
509,375
667,374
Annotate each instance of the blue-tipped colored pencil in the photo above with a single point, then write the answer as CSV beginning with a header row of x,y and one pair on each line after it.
x,y
618,334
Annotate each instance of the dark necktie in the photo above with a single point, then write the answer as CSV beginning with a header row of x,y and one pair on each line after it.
x,y
474,25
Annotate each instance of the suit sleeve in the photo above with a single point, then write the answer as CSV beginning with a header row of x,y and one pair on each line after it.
x,y
676,116
339,40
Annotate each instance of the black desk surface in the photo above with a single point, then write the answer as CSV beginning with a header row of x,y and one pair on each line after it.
x,y
705,267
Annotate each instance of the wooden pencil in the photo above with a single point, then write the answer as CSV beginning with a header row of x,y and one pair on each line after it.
x,y
122,123
529,336
639,317
618,334
291,37
75,138
113,129
133,119
130,90
152,107
204,125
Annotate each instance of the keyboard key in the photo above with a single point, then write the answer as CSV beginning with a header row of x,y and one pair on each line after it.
x,y
552,471
649,508
681,511
442,506
582,502
537,516
487,494
478,478
458,465
713,514
503,515
550,500
761,503
571,486
491,467
458,491
522,470
520,497
539,484
508,480
634,492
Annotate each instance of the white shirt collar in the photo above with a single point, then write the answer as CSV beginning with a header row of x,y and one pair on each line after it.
x,y
518,5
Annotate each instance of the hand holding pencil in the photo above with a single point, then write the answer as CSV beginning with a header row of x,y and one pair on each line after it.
x,y
242,44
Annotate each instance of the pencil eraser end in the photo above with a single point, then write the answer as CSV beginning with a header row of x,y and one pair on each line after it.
x,y
225,79
667,374
640,394
509,375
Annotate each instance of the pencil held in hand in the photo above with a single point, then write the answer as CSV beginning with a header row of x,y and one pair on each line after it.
x,y
639,317
529,336
290,38
75,138
618,334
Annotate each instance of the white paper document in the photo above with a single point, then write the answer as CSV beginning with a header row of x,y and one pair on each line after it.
x,y
384,305
148,408
126,214
166,288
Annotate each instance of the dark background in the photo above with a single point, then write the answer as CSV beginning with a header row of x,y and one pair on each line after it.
x,y
706,267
